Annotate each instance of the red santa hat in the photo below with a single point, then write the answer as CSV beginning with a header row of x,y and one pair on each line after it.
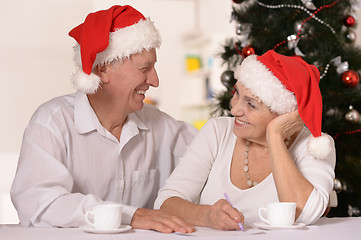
x,y
284,84
107,35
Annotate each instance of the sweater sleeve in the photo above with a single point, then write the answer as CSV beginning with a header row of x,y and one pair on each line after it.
x,y
190,176
320,173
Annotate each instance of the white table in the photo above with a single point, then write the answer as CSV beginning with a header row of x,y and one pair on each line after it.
x,y
325,228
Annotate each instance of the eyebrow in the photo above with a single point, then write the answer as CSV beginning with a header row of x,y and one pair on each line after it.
x,y
251,98
146,64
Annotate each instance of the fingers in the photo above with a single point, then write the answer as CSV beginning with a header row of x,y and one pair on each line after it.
x,y
285,125
177,224
224,217
237,216
293,124
161,222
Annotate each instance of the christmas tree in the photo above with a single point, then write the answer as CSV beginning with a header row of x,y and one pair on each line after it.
x,y
322,32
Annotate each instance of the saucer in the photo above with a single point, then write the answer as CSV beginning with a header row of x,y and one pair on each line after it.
x,y
266,226
90,229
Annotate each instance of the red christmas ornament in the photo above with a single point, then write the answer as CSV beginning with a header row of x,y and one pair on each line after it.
x,y
248,50
349,21
350,78
237,1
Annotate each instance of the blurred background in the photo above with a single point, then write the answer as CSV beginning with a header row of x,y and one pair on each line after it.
x,y
37,62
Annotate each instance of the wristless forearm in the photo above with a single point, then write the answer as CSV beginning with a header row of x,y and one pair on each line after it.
x,y
193,213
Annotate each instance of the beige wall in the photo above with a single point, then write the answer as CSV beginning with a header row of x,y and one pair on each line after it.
x,y
36,53
36,60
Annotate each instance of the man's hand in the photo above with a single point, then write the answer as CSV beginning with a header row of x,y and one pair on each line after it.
x,y
159,221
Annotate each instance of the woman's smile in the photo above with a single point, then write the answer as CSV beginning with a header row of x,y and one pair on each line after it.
x,y
240,122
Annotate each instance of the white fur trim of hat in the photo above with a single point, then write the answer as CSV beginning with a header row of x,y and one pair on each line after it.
x,y
270,90
122,43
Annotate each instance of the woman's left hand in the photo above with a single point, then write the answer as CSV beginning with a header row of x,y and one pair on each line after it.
x,y
286,124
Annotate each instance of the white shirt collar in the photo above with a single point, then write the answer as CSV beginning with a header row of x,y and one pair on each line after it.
x,y
83,112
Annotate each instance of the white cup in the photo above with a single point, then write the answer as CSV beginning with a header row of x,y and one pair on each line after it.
x,y
279,214
104,216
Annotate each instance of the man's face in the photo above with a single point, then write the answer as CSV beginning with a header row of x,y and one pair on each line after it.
x,y
131,78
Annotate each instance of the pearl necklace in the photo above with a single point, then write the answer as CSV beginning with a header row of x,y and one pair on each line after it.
x,y
245,168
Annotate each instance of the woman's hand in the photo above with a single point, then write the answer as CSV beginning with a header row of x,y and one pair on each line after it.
x,y
223,216
285,125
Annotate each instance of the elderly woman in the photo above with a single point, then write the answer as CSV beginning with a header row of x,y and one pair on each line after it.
x,y
271,150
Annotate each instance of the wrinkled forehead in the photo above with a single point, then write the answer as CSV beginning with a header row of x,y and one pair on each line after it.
x,y
251,96
247,92
145,56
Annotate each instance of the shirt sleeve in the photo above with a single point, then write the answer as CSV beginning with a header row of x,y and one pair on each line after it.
x,y
190,175
42,188
320,173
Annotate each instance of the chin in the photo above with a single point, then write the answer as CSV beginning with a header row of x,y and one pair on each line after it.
x,y
139,106
242,134
238,134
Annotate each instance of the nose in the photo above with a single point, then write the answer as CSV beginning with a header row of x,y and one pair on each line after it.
x,y
237,107
152,78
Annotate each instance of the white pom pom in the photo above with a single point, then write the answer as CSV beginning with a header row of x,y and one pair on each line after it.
x,y
85,83
320,147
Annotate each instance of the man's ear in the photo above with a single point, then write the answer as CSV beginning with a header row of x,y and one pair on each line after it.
x,y
102,71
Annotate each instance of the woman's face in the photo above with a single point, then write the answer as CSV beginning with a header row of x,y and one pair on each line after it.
x,y
251,115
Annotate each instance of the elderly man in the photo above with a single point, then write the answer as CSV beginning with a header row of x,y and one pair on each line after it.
x,y
102,143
